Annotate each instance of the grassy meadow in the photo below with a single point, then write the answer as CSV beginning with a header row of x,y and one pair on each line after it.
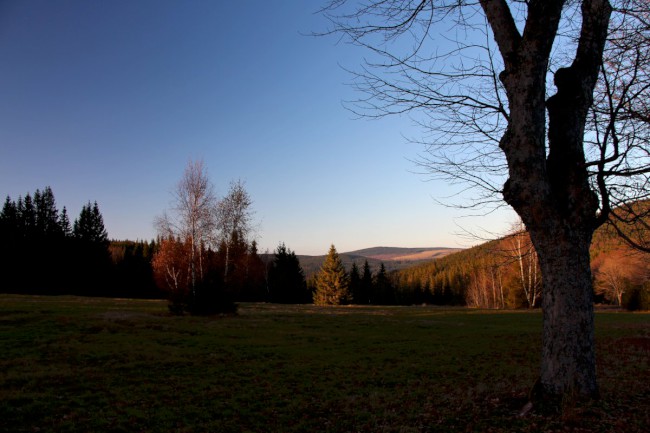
x,y
72,364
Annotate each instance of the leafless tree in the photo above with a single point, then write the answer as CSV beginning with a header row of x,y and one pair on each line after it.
x,y
525,103
485,289
234,217
618,127
619,270
521,250
193,218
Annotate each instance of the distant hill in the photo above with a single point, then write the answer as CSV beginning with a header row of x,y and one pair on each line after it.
x,y
393,258
403,254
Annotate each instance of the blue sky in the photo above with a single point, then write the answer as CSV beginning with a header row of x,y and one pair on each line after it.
x,y
109,100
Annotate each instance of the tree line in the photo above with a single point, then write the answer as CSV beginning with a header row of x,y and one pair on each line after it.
x,y
202,260
43,252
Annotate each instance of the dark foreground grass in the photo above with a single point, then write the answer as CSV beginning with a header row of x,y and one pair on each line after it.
x,y
100,365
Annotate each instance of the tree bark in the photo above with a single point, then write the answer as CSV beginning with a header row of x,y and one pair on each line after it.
x,y
549,188
568,365
548,181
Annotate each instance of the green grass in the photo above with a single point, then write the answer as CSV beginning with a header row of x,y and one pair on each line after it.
x,y
78,365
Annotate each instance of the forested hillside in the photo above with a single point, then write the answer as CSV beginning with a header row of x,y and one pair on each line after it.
x,y
505,274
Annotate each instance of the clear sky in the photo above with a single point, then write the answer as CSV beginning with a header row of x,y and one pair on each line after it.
x,y
107,101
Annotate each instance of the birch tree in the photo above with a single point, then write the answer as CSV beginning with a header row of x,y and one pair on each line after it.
x,y
620,270
193,219
522,251
234,219
485,288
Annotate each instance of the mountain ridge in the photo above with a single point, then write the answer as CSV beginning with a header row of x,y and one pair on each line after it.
x,y
393,258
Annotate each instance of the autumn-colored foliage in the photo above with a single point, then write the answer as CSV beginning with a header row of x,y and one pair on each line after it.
x,y
504,274
171,271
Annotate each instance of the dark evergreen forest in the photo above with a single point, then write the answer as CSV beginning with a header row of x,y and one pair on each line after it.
x,y
44,252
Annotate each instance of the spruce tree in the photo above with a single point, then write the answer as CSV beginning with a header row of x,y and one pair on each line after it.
x,y
255,288
27,216
366,285
35,235
64,224
8,219
10,246
89,227
332,286
45,248
47,224
355,284
286,278
92,256
383,288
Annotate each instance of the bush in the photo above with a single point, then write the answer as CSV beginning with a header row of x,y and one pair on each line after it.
x,y
177,302
176,308
637,298
212,299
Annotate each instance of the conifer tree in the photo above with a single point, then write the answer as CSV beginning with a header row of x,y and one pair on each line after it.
x,y
35,235
286,278
332,286
10,245
90,225
355,284
47,224
255,288
27,216
45,245
383,288
93,261
8,218
366,285
64,223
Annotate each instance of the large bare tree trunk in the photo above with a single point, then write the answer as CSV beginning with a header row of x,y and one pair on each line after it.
x,y
549,188
568,363
548,181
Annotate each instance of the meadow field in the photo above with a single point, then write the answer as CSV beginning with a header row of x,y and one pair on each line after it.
x,y
71,364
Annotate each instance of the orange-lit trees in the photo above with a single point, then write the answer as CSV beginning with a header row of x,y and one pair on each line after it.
x,y
171,271
485,289
192,225
618,271
522,251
